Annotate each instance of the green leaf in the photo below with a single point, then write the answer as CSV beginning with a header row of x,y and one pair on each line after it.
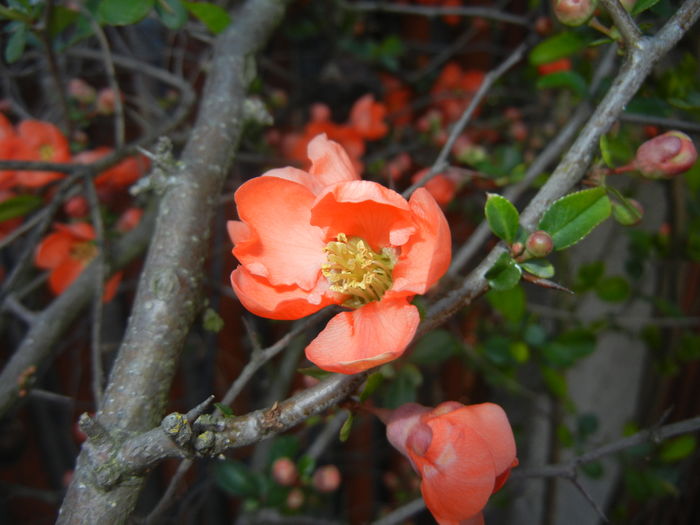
x,y
123,12
502,217
564,79
613,289
172,13
306,466
314,372
284,446
504,274
556,47
344,433
678,448
497,350
571,218
212,321
234,477
403,388
224,409
214,17
18,206
555,381
643,5
434,348
589,275
373,381
61,18
509,303
16,43
593,470
568,348
538,267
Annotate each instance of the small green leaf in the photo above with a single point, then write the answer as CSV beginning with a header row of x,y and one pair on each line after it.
x,y
509,303
344,433
568,348
556,382
172,13
555,47
589,275
224,409
314,372
18,206
613,289
502,217
306,466
643,5
373,381
571,218
214,17
605,152
61,18
504,274
123,12
16,43
564,79
212,321
234,477
519,351
539,267
678,448
593,470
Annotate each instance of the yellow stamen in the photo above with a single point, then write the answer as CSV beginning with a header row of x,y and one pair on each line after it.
x,y
46,151
84,251
354,269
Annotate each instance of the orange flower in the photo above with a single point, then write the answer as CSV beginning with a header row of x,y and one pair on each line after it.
x,y
39,141
442,187
117,177
454,89
463,454
7,147
310,239
66,252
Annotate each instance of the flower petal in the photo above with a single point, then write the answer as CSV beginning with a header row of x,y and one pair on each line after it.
x,y
53,250
364,338
426,256
63,275
285,248
275,302
457,471
296,175
364,209
330,163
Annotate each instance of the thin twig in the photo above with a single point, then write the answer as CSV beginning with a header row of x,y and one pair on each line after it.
x,y
623,21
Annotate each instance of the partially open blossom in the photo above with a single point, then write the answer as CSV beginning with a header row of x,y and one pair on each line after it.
x,y
665,155
306,240
574,12
326,478
66,252
463,454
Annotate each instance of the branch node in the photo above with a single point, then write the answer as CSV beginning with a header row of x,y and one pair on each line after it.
x,y
177,427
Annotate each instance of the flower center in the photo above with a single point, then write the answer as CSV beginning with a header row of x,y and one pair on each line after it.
x,y
46,152
84,251
354,269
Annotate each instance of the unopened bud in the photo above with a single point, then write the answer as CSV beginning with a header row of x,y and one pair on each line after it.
x,y
574,12
284,472
326,478
628,215
295,499
76,207
539,244
666,155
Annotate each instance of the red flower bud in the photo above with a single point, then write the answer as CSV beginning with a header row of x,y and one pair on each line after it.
x,y
326,479
574,12
284,471
539,244
666,155
295,499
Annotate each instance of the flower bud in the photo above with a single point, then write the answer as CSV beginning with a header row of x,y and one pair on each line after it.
x,y
666,155
574,12
295,499
629,215
76,207
326,479
539,244
284,471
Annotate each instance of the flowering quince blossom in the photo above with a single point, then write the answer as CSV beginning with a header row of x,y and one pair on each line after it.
x,y
463,454
306,240
66,252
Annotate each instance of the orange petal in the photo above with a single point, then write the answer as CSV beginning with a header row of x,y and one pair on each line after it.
x,y
427,255
457,471
53,250
288,249
80,231
364,338
111,286
367,117
491,423
313,184
64,274
275,302
330,163
364,209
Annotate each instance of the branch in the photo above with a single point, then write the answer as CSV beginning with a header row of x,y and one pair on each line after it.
x,y
171,282
623,21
